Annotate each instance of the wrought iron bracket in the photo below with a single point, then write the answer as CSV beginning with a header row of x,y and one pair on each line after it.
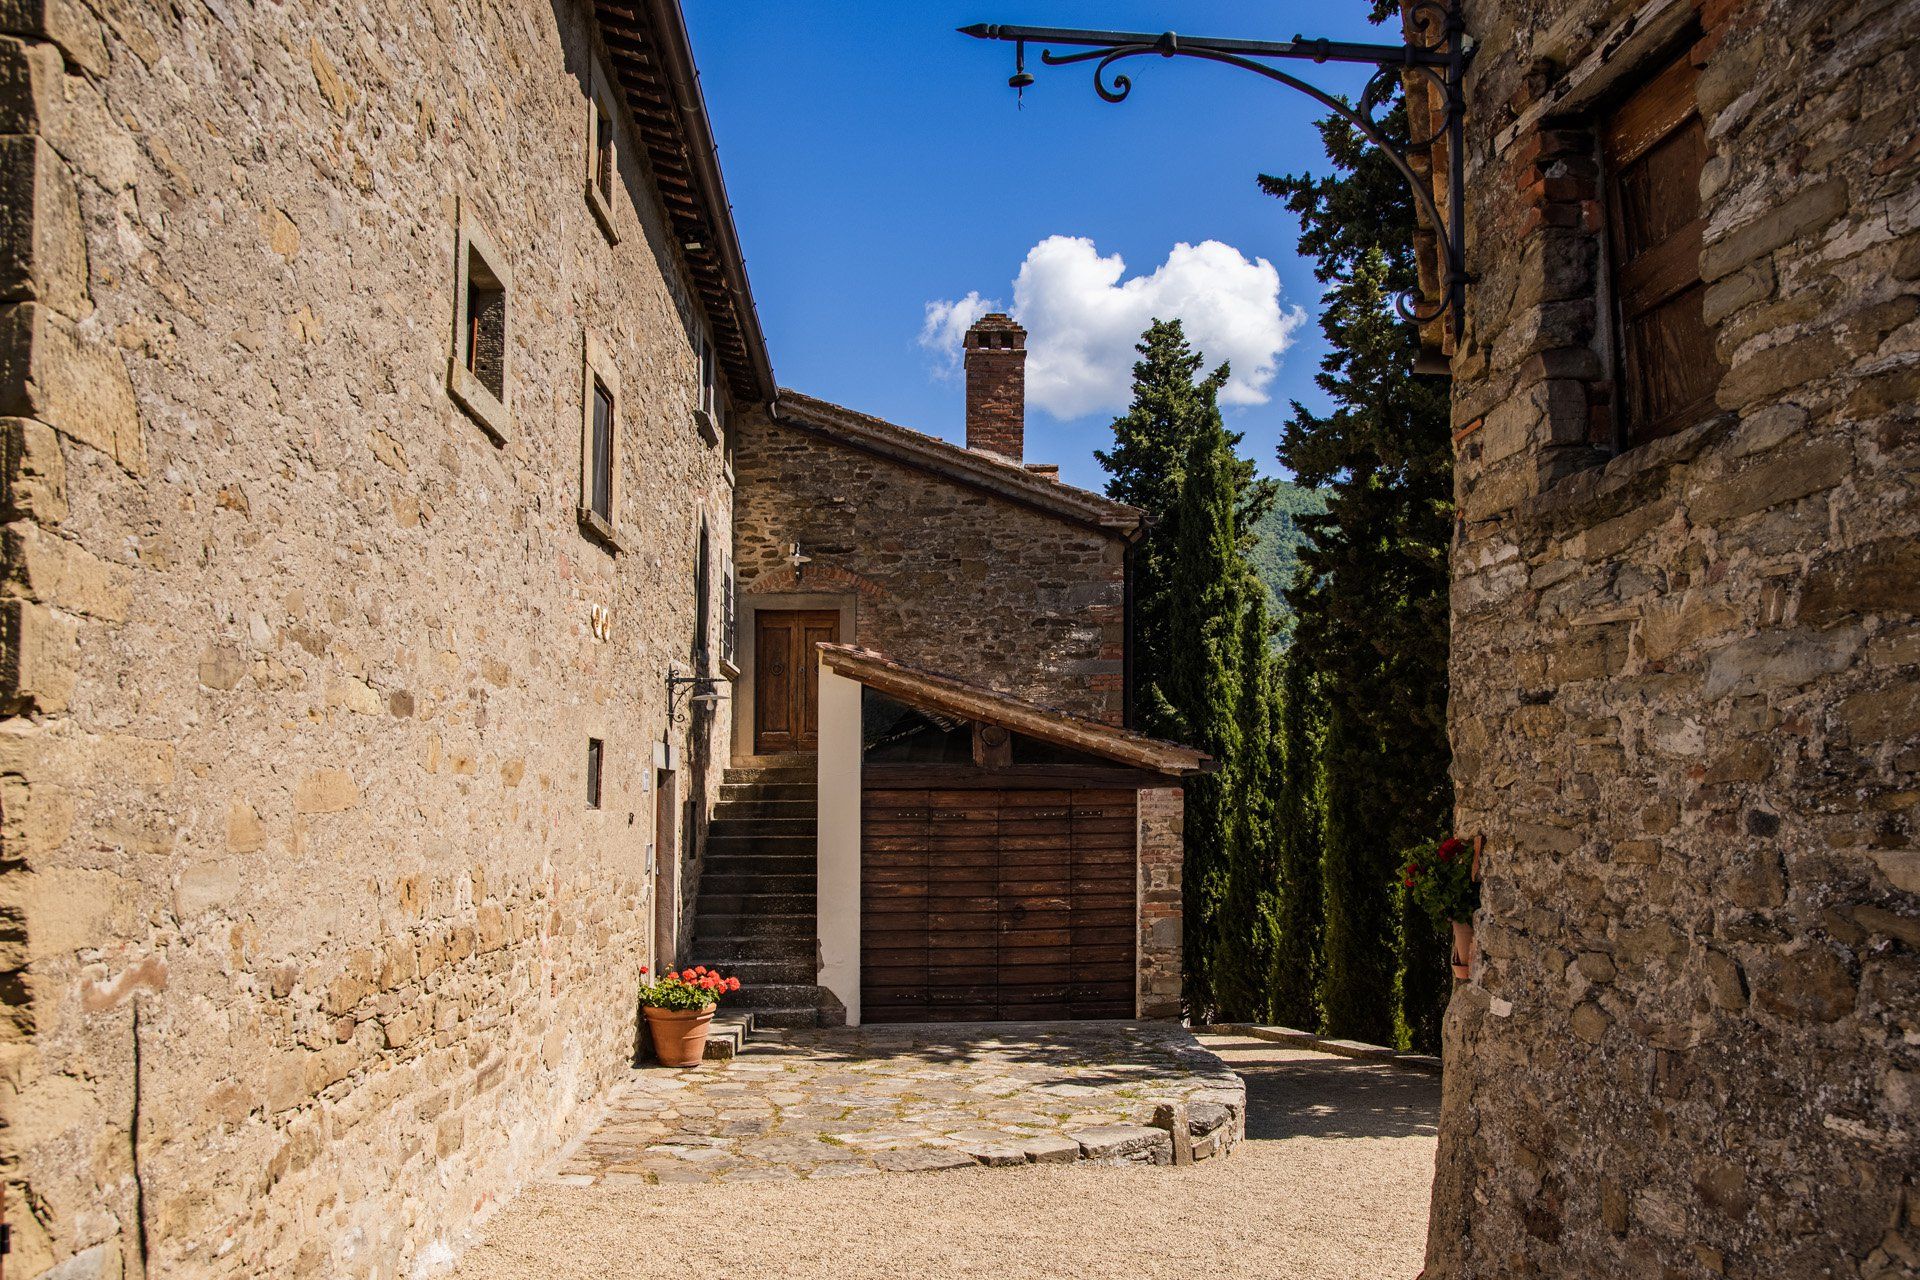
x,y
1441,59
705,691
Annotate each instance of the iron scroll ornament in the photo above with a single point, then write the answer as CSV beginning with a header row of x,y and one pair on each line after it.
x,y
1442,62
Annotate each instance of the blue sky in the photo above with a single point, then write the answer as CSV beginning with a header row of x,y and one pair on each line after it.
x,y
876,163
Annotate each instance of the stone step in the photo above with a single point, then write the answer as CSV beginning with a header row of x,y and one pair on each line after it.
x,y
726,951
714,904
791,925
798,770
753,800
730,827
758,997
715,882
760,864
805,793
783,1019
754,974
787,844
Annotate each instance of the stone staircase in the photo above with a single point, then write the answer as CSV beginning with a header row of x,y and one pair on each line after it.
x,y
755,915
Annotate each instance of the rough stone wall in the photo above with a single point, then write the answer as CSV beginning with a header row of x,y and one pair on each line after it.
x,y
309,947
1162,823
1685,702
941,574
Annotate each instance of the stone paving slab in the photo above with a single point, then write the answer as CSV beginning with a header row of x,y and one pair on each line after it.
x,y
850,1101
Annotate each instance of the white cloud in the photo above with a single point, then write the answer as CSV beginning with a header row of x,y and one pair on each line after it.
x,y
947,324
1083,317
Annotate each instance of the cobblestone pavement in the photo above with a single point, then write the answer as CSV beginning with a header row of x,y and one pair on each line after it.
x,y
851,1101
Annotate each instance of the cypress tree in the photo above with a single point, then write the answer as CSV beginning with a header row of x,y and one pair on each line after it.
x,y
1246,932
1202,696
1172,405
1371,598
1295,983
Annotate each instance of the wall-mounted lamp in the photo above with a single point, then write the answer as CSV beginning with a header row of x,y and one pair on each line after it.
x,y
798,559
706,693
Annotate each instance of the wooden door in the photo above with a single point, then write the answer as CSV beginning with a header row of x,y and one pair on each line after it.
x,y
786,677
983,905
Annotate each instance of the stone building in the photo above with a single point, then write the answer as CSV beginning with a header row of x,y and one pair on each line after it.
x,y
1686,663
373,383
955,586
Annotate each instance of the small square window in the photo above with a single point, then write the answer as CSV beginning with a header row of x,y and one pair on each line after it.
x,y
603,157
599,444
596,756
478,376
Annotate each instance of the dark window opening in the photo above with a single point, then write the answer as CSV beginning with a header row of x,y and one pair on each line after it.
x,y
1654,146
486,321
603,152
601,499
596,753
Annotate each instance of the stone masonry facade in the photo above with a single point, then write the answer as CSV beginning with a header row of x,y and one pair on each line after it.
x,y
1161,817
310,945
1686,675
939,573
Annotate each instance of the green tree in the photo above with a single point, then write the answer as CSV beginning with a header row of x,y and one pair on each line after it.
x,y
1371,596
1173,404
1294,988
1202,691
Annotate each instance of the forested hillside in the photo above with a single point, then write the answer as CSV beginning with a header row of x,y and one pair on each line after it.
x,y
1278,538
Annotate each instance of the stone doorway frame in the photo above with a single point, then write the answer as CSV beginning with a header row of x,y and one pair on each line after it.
x,y
844,602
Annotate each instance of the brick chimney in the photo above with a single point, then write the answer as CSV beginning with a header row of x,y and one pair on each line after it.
x,y
996,356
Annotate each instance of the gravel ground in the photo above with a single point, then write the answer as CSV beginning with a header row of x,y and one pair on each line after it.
x,y
1332,1182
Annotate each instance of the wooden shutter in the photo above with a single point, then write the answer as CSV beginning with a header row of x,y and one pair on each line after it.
x,y
1654,146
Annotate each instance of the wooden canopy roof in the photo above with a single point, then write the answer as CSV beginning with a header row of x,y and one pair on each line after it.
x,y
935,691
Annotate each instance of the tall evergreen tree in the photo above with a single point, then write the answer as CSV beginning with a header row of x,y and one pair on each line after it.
x,y
1295,984
1172,405
1202,694
1371,597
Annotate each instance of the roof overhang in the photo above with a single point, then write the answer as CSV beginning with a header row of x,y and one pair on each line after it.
x,y
936,691
653,65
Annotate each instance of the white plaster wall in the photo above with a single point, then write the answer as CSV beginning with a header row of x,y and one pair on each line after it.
x,y
839,844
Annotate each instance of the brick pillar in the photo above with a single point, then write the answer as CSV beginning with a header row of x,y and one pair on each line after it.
x,y
996,355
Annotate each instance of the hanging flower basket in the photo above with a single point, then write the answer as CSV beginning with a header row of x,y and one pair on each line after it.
x,y
1443,878
679,1009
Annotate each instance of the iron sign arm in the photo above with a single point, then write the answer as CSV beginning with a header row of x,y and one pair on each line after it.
x,y
1442,63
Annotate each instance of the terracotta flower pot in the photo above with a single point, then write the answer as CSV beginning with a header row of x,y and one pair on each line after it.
x,y
679,1035
1462,949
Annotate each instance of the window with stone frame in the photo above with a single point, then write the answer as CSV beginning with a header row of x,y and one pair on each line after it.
x,y
478,376
707,411
596,760
1652,148
599,506
603,157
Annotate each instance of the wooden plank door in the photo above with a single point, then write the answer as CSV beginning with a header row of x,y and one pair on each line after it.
x,y
980,905
786,677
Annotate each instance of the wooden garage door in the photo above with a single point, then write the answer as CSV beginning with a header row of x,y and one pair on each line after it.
x,y
981,905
